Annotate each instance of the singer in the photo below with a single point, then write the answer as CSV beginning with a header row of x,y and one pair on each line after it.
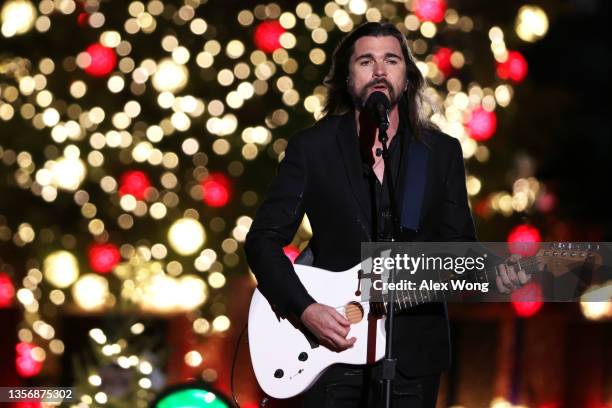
x,y
333,172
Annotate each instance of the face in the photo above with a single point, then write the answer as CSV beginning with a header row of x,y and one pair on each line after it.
x,y
377,64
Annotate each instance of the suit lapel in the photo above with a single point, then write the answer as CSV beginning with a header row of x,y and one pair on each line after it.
x,y
412,181
349,148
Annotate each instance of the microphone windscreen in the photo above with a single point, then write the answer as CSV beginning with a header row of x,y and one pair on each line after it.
x,y
377,99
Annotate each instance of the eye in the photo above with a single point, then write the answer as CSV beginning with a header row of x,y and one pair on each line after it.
x,y
392,61
363,63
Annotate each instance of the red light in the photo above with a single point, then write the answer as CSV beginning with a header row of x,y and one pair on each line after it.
x,y
134,182
523,240
514,68
7,290
546,202
481,124
24,362
483,208
291,252
527,300
103,257
216,190
430,10
103,60
24,404
267,36
442,59
82,19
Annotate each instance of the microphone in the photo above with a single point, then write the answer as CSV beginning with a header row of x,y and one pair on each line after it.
x,y
378,104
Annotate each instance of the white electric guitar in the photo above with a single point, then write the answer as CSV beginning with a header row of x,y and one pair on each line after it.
x,y
287,359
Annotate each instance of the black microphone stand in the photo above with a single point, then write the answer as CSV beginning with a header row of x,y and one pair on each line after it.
x,y
389,362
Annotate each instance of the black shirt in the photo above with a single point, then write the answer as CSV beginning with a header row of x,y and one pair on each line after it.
x,y
379,193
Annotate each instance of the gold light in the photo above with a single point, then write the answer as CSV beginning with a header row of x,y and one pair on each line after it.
x,y
90,292
61,269
170,76
531,23
17,17
186,236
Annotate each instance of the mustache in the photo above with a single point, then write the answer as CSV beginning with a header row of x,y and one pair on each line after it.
x,y
375,82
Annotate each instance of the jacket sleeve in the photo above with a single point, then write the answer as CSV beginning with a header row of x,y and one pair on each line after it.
x,y
274,226
457,223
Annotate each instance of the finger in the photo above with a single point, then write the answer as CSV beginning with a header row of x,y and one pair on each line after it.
x,y
512,276
523,277
515,257
340,342
339,330
500,285
339,318
503,274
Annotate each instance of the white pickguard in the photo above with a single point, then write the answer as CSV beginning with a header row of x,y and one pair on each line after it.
x,y
275,344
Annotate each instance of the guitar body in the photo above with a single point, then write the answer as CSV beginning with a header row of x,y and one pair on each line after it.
x,y
285,361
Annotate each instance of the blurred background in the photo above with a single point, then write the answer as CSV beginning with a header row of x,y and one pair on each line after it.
x,y
137,140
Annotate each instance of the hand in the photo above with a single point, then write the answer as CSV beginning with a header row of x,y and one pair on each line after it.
x,y
329,326
509,278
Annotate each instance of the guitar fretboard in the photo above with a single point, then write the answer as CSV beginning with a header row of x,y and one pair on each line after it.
x,y
406,299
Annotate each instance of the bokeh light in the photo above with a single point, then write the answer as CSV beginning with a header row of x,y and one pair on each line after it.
x,y
102,60
61,269
429,10
186,236
103,257
527,300
28,361
216,190
267,36
90,291
17,17
524,240
170,76
135,183
531,23
482,124
7,290
513,68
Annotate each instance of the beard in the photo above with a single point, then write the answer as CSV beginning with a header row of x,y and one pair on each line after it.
x,y
361,96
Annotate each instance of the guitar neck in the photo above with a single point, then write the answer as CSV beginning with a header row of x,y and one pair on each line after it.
x,y
407,299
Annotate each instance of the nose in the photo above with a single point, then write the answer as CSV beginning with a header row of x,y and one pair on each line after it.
x,y
380,69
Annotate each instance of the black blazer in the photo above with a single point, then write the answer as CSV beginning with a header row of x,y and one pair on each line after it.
x,y
322,175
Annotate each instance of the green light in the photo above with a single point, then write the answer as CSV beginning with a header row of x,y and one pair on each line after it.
x,y
191,398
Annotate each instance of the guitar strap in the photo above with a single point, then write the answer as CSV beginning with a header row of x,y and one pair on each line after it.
x,y
414,184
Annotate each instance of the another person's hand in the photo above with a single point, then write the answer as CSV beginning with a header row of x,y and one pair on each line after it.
x,y
509,277
329,326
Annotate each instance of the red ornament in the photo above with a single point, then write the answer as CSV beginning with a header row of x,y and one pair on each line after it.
x,y
524,240
442,59
514,68
429,10
103,60
527,301
481,125
7,290
216,190
134,182
103,257
267,36
24,362
292,252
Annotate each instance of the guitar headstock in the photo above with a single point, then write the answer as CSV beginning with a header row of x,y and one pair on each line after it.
x,y
563,257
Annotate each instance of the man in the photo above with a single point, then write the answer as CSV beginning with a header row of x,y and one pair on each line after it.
x,y
331,172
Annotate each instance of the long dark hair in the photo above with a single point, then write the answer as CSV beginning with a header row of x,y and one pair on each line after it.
x,y
339,100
